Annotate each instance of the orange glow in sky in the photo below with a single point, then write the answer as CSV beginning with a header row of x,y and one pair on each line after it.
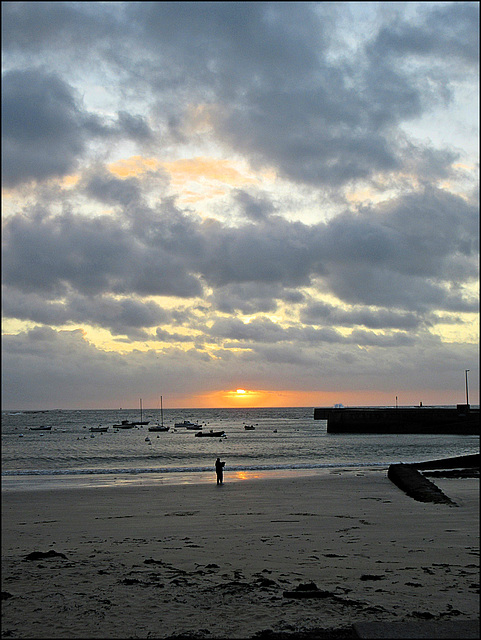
x,y
236,398
254,398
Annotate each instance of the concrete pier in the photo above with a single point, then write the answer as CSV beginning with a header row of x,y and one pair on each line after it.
x,y
459,420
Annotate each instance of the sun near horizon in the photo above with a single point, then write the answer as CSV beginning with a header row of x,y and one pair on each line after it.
x,y
244,397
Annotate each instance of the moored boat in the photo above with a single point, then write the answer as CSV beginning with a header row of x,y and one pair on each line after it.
x,y
125,424
42,428
98,429
160,427
211,434
188,425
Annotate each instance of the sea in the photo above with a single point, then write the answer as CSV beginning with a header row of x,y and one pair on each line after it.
x,y
284,442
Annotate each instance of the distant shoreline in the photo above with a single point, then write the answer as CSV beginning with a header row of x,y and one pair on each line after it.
x,y
193,409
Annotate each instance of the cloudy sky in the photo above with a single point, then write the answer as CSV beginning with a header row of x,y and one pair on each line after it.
x,y
200,198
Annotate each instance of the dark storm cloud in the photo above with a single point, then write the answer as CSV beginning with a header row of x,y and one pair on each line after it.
x,y
451,31
45,129
306,139
403,253
408,254
263,331
105,187
166,336
253,207
122,126
41,127
223,43
122,317
128,316
321,313
285,355
280,96
399,254
134,127
249,297
369,339
273,252
32,26
93,256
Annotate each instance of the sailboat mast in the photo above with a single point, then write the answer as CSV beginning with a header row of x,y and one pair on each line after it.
x,y
140,409
161,412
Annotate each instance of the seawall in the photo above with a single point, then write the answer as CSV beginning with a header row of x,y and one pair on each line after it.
x,y
459,420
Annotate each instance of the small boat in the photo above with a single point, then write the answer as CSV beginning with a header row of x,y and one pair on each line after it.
x,y
188,425
211,434
159,427
125,424
249,428
42,428
98,429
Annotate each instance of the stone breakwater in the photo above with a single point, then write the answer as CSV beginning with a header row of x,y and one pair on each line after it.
x,y
415,485
459,420
409,479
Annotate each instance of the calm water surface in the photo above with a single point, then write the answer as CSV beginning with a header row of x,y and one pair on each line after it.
x,y
284,441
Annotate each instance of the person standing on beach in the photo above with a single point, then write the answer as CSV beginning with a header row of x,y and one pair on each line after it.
x,y
219,469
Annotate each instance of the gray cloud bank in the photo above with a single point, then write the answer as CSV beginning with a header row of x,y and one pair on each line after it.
x,y
281,97
287,87
408,255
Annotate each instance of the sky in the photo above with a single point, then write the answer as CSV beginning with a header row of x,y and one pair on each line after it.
x,y
239,204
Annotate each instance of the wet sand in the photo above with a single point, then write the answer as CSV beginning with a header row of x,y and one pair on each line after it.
x,y
226,562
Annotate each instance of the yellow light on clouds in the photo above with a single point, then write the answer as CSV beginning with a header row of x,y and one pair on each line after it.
x,y
134,166
193,169
68,182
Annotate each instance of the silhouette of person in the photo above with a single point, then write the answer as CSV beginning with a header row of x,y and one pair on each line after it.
x,y
219,469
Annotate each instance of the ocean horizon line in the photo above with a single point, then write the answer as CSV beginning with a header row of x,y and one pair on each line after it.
x,y
17,411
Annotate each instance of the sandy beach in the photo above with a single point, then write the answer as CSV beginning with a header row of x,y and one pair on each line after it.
x,y
219,562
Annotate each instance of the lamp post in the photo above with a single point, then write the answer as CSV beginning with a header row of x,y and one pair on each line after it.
x,y
466,376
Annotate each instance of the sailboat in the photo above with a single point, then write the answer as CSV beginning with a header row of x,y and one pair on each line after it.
x,y
160,427
140,421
